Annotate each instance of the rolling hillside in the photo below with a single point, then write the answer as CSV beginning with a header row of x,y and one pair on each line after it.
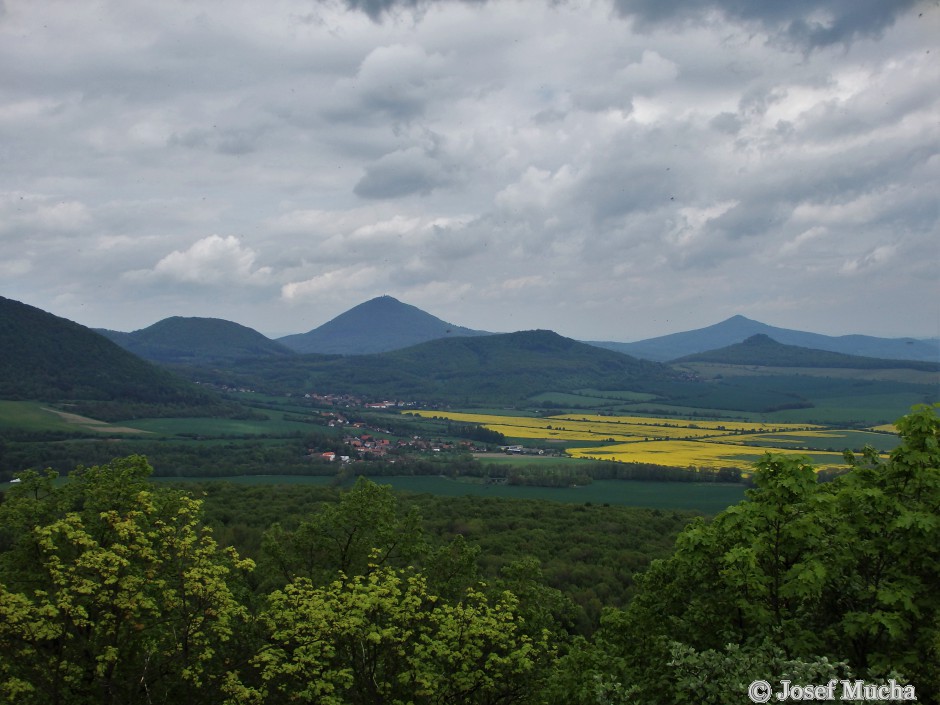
x,y
479,369
378,325
738,328
44,357
196,340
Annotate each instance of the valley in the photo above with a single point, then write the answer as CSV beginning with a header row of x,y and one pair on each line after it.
x,y
205,397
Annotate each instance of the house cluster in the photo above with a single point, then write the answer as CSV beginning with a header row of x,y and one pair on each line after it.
x,y
350,401
367,444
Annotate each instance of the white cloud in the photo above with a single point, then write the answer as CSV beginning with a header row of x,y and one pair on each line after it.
x,y
332,284
210,261
870,260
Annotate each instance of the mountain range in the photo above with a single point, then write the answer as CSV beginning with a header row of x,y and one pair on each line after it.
x,y
384,324
43,357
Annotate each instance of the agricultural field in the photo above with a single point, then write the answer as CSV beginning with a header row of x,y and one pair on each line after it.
x,y
275,424
34,416
680,443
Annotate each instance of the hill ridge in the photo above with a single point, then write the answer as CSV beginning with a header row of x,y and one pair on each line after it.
x,y
378,325
49,358
193,339
737,328
763,350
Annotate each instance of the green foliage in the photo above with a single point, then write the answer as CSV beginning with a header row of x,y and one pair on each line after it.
x,y
364,530
384,638
114,594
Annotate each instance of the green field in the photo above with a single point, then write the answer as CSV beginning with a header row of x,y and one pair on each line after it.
x,y
38,417
274,425
708,498
529,460
30,416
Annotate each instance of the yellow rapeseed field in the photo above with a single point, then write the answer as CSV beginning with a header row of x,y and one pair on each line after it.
x,y
692,454
660,441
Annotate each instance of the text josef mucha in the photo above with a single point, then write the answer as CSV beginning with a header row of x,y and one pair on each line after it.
x,y
845,690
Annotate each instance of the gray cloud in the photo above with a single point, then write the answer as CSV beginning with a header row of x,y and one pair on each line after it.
x,y
402,173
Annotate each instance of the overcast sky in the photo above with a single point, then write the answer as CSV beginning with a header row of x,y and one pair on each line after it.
x,y
611,170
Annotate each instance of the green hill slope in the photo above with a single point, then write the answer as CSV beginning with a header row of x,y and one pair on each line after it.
x,y
379,325
486,369
44,357
196,340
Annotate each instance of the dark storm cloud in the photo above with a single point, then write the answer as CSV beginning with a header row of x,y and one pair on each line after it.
x,y
377,8
810,23
807,23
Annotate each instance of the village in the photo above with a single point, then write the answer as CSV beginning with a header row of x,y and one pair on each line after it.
x,y
365,441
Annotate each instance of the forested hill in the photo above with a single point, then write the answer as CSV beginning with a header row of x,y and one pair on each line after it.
x,y
196,340
492,369
765,351
378,325
48,358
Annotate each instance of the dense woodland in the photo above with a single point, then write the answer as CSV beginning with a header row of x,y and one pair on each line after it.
x,y
116,590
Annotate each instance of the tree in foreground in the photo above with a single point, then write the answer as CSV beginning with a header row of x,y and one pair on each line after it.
x,y
111,592
384,638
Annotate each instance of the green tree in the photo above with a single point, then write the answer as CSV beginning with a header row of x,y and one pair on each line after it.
x,y
115,595
384,638
365,528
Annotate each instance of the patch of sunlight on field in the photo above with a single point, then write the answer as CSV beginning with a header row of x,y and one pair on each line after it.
x,y
580,427
692,454
687,424
789,437
574,428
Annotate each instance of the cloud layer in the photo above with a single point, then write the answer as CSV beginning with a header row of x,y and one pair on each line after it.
x,y
612,170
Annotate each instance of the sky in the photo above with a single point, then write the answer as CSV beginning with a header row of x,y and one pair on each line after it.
x,y
610,169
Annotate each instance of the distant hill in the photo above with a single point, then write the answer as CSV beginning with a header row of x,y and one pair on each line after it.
x,y
47,358
196,340
495,368
764,351
738,328
379,325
